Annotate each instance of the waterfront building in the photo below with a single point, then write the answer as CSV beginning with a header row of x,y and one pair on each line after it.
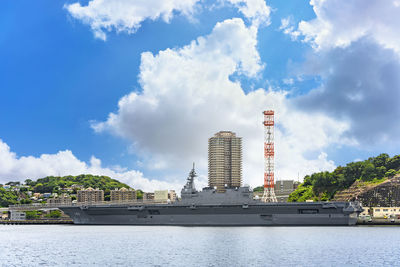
x,y
63,199
148,196
122,195
224,161
161,195
16,215
172,195
282,189
90,195
381,212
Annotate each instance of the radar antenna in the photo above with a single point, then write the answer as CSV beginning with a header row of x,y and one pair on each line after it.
x,y
190,179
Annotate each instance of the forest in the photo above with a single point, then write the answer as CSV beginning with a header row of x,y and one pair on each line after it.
x,y
322,186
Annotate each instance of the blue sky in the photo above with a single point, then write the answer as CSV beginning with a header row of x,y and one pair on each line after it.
x,y
65,66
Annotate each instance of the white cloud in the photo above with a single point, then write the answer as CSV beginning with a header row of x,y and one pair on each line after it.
x,y
338,23
361,84
187,96
288,81
127,15
255,10
356,56
287,27
14,168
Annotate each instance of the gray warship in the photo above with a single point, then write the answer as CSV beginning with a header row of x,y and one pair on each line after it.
x,y
235,207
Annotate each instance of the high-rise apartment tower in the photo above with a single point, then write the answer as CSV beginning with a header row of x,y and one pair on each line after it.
x,y
224,161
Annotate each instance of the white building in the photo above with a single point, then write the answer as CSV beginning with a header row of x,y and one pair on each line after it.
x,y
17,215
381,212
161,195
63,199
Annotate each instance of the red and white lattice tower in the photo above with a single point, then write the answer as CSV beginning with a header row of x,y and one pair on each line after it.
x,y
269,194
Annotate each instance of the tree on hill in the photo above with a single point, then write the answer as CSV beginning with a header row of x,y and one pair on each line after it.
x,y
13,183
324,185
139,194
54,184
28,181
258,189
394,163
7,198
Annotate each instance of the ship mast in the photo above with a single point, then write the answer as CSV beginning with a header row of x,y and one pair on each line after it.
x,y
269,153
190,180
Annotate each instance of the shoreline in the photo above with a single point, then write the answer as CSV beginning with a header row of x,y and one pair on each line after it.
x,y
36,222
41,222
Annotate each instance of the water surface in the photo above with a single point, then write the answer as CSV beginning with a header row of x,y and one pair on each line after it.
x,y
72,245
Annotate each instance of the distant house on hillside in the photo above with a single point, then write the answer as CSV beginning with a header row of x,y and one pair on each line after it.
x,y
46,195
37,195
77,186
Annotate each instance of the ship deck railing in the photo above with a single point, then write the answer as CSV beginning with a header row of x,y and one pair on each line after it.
x,y
49,206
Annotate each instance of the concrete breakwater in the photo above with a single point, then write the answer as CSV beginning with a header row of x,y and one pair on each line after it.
x,y
37,222
377,221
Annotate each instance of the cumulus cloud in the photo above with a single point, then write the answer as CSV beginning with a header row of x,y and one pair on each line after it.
x,y
356,54
127,15
338,23
14,168
361,83
255,10
187,96
288,27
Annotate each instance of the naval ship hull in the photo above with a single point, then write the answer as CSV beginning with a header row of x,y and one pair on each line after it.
x,y
262,214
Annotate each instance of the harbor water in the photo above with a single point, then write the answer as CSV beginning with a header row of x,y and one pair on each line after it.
x,y
72,245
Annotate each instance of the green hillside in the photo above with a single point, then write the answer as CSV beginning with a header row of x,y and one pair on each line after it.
x,y
7,198
18,193
54,183
322,186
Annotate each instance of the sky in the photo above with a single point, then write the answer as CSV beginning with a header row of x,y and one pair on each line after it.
x,y
133,89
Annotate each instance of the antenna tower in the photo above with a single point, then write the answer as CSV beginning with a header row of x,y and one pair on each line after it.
x,y
269,194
